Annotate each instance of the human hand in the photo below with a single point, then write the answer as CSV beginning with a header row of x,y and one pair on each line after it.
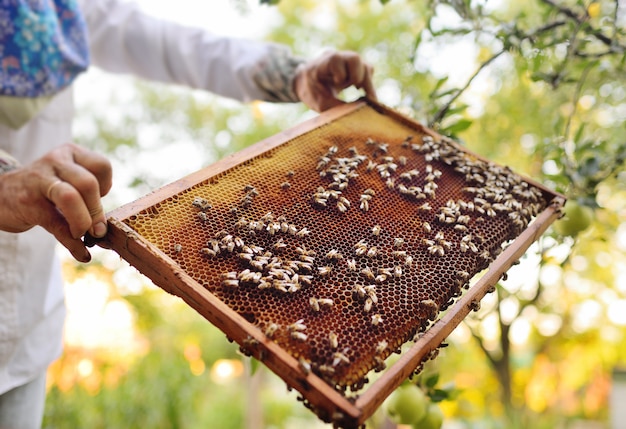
x,y
60,192
319,81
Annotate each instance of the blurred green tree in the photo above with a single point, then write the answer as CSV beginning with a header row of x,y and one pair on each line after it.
x,y
539,86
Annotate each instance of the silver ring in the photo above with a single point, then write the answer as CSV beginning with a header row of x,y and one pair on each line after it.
x,y
51,187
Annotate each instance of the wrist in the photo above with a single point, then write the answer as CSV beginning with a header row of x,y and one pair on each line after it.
x,y
7,162
275,75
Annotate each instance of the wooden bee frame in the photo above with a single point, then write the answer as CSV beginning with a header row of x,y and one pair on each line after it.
x,y
329,403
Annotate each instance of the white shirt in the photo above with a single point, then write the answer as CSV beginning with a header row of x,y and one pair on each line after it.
x,y
122,40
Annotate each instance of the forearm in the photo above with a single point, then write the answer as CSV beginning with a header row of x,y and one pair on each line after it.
x,y
123,39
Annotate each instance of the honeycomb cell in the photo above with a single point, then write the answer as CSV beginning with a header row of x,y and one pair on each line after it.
x,y
343,243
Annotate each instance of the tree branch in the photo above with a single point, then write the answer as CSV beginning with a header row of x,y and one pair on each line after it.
x,y
444,109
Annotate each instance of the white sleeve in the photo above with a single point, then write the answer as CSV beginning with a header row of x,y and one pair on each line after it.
x,y
123,39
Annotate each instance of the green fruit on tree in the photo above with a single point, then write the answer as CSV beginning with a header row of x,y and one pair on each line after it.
x,y
576,218
407,404
432,420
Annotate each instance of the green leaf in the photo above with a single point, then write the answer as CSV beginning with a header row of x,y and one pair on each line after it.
x,y
459,126
432,380
254,365
438,395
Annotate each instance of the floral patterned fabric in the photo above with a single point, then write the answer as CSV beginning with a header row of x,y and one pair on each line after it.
x,y
43,46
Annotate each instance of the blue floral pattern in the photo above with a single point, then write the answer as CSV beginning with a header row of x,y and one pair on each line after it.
x,y
43,46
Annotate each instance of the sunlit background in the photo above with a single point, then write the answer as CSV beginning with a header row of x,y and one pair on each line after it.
x,y
134,349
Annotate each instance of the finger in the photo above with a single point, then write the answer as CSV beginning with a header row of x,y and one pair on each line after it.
x,y
367,85
337,70
78,198
69,201
98,165
55,223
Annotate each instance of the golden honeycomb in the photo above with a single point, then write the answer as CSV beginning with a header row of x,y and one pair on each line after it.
x,y
344,242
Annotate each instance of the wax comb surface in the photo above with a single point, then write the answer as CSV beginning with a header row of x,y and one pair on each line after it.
x,y
341,243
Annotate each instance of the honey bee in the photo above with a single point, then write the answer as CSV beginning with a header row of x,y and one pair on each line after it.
x,y
342,207
305,365
376,230
351,264
307,259
339,357
230,282
371,293
178,248
279,245
326,370
372,252
314,304
436,249
208,252
271,330
297,326
398,242
430,305
367,307
426,227
304,279
323,162
304,232
264,284
333,339
292,229
300,336
368,273
325,302
426,207
397,271
320,201
241,223
324,271
376,319
359,291
381,347
201,203
334,255
408,261
202,216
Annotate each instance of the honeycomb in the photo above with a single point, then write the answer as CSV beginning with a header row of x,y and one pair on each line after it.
x,y
344,242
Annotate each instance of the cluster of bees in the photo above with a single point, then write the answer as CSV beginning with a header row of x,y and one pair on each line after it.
x,y
278,256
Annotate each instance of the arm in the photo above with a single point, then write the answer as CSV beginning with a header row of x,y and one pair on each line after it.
x,y
125,40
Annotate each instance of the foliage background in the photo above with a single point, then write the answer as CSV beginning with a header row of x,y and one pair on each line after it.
x,y
537,85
